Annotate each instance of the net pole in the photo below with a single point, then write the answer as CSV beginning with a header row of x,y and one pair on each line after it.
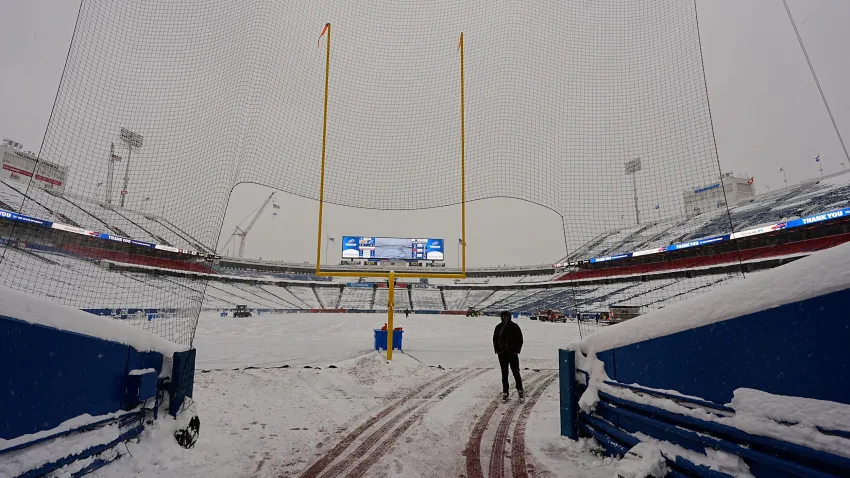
x,y
324,138
462,164
390,307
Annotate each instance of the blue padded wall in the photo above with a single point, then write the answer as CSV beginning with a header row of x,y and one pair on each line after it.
x,y
52,375
800,349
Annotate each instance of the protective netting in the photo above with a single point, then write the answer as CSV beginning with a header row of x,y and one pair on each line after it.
x,y
560,95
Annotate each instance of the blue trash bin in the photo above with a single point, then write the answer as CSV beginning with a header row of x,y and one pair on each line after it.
x,y
381,339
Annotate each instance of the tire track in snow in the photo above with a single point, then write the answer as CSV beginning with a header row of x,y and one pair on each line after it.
x,y
380,433
360,470
316,468
519,467
497,452
472,452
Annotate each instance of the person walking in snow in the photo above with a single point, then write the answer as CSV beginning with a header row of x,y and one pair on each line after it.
x,y
507,343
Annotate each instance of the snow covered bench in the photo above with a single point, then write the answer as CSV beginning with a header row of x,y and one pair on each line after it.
x,y
752,379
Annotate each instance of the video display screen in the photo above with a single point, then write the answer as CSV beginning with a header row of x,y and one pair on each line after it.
x,y
405,249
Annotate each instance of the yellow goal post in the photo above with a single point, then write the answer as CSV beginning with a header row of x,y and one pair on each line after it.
x,y
390,275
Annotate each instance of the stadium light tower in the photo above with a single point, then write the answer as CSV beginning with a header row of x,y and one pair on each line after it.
x,y
132,140
632,167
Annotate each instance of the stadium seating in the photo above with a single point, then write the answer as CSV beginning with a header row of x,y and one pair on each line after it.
x,y
361,298
116,256
591,289
800,247
493,297
426,299
455,298
305,294
402,300
796,201
285,296
328,296
83,212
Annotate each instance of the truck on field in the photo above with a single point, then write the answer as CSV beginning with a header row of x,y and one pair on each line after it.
x,y
549,316
241,311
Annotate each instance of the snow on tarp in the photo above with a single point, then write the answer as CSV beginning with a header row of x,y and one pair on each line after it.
x,y
41,311
818,274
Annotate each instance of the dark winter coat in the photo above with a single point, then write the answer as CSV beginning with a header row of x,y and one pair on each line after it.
x,y
508,342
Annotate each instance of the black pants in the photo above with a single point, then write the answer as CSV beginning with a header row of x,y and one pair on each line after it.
x,y
512,360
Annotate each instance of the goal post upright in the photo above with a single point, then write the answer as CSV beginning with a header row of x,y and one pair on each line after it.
x,y
390,310
391,275
462,165
324,142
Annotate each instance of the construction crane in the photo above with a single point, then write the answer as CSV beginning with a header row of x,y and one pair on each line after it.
x,y
241,233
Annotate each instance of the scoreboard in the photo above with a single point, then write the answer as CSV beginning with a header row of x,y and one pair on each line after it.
x,y
407,249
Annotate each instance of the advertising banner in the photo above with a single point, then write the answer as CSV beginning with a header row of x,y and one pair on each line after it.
x,y
4,214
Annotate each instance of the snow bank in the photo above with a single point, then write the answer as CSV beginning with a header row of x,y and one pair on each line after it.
x,y
648,458
41,311
818,274
790,419
796,410
18,462
793,419
70,424
641,461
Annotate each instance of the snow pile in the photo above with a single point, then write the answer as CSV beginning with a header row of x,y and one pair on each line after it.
x,y
72,470
793,419
70,424
41,311
18,462
648,458
803,411
642,461
824,272
141,371
596,376
158,447
790,419
157,436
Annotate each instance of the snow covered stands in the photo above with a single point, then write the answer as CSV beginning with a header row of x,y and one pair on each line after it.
x,y
751,379
75,385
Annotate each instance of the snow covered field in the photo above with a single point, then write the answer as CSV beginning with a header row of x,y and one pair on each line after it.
x,y
415,416
322,339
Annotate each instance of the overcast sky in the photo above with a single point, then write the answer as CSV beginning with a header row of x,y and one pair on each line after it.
x,y
766,111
